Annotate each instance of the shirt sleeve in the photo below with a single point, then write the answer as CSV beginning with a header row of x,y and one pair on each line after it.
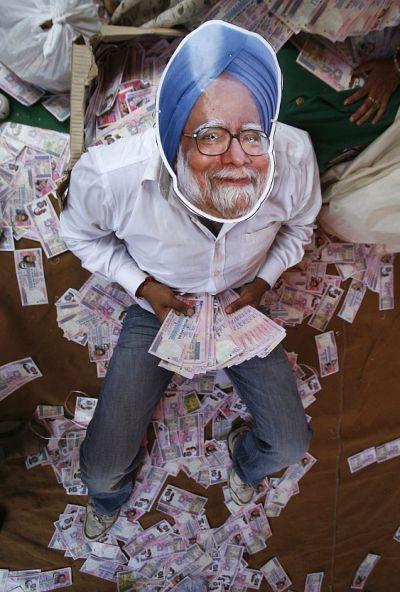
x,y
88,225
288,246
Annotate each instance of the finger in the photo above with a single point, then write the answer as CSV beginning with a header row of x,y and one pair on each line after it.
x,y
239,303
367,107
359,94
366,115
181,307
381,111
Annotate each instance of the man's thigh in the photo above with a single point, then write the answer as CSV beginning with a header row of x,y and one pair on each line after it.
x,y
134,382
268,388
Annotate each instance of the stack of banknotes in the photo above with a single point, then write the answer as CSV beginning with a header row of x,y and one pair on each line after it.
x,y
212,339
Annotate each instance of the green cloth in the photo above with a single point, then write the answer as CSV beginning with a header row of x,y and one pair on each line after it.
x,y
311,105
36,115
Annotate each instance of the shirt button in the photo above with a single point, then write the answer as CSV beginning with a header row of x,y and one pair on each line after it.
x,y
299,101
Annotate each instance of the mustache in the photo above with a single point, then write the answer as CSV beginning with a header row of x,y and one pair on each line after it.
x,y
230,173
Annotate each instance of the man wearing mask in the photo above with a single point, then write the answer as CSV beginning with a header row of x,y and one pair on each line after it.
x,y
217,196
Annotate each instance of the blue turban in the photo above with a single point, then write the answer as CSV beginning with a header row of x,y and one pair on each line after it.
x,y
215,47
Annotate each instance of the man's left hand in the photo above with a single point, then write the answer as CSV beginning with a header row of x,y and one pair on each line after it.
x,y
250,294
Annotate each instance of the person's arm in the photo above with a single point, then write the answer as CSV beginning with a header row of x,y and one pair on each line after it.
x,y
88,225
288,246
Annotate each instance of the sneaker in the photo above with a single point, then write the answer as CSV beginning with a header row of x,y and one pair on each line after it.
x,y
241,493
97,525
233,434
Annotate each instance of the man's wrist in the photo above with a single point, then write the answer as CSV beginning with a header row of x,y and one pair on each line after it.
x,y
141,288
263,283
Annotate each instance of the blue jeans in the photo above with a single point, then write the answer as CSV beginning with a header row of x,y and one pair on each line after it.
x,y
133,386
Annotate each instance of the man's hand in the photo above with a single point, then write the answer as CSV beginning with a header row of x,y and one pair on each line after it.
x,y
250,294
162,299
382,81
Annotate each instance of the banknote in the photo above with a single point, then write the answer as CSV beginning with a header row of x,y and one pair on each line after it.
x,y
182,500
22,91
105,299
15,374
99,342
148,536
84,409
363,571
48,141
30,276
362,459
46,223
325,65
327,353
102,568
388,450
6,238
396,535
276,575
352,301
55,579
386,288
326,308
314,582
59,106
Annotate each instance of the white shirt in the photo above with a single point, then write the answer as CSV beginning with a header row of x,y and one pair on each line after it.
x,y
123,221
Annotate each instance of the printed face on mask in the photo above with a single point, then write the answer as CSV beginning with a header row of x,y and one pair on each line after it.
x,y
222,165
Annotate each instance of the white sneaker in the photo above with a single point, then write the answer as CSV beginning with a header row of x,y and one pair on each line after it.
x,y
241,493
97,525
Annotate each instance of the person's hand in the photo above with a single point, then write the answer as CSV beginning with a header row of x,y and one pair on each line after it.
x,y
250,294
383,79
162,299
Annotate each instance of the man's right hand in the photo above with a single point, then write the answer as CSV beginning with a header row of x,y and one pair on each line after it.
x,y
162,299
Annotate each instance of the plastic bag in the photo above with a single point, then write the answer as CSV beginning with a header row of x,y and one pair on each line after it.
x,y
36,39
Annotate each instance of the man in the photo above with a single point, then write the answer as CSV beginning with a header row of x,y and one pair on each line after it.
x,y
195,212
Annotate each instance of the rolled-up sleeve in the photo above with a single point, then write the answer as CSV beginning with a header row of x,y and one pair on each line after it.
x,y
88,225
288,246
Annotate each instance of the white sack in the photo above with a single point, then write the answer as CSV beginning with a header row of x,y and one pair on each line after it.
x,y
43,57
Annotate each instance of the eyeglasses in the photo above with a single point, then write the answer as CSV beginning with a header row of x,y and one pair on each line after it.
x,y
213,141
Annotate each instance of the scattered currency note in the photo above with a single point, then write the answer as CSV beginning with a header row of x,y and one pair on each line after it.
x,y
276,575
386,289
30,276
365,568
16,374
353,300
327,353
46,223
326,308
314,582
6,239
59,106
22,91
362,459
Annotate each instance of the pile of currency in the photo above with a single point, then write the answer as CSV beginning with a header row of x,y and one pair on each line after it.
x,y
35,579
27,95
123,101
163,555
212,339
93,316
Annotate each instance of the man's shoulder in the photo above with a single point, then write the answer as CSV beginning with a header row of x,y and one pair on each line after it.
x,y
125,152
291,144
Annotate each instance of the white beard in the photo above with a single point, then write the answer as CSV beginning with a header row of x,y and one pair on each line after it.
x,y
229,200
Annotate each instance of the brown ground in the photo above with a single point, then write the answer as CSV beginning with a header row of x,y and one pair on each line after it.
x,y
330,526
